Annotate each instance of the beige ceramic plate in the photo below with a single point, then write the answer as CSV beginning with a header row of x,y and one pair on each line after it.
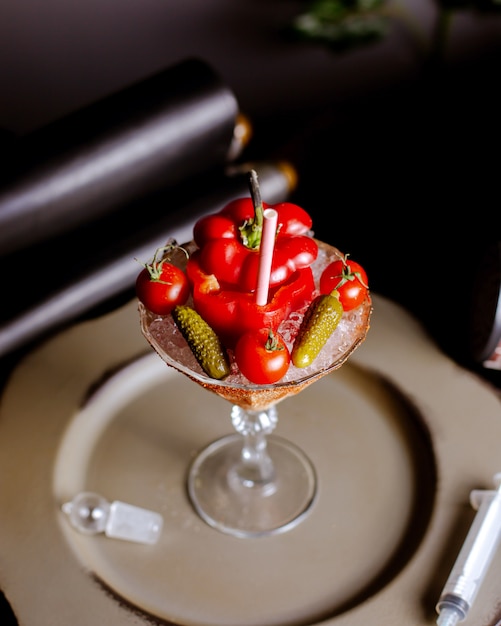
x,y
399,436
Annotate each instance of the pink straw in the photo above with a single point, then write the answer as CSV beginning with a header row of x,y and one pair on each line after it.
x,y
270,218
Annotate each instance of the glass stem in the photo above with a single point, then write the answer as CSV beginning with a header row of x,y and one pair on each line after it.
x,y
255,468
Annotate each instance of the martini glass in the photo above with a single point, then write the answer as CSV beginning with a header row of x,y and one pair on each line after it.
x,y
252,482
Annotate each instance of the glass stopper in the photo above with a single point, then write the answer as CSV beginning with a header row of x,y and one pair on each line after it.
x,y
90,513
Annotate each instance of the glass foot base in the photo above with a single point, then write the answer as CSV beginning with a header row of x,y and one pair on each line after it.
x,y
243,509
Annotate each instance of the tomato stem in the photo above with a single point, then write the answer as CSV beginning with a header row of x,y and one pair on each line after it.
x,y
348,274
272,344
159,258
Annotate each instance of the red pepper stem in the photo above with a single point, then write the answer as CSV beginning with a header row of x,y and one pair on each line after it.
x,y
252,229
256,197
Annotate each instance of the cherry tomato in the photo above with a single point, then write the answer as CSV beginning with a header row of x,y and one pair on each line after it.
x,y
161,287
262,356
349,279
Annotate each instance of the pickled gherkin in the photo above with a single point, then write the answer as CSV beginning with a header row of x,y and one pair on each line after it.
x,y
203,341
319,322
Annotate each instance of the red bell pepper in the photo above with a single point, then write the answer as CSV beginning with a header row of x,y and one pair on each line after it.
x,y
231,312
229,243
223,271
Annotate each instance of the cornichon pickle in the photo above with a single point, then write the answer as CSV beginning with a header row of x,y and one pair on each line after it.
x,y
319,322
203,341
